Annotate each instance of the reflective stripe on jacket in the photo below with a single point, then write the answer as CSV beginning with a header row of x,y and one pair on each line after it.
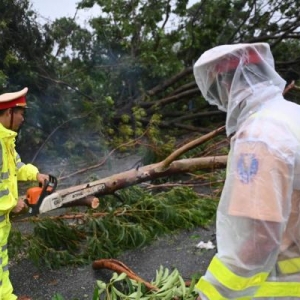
x,y
237,283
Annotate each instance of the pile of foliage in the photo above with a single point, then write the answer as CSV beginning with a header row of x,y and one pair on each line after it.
x,y
132,219
170,285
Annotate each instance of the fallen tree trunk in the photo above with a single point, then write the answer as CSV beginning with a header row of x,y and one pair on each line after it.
x,y
167,167
109,185
84,194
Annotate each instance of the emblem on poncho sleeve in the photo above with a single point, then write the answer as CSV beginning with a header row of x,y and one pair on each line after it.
x,y
247,167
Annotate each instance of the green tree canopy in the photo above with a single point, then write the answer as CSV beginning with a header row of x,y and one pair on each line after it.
x,y
97,87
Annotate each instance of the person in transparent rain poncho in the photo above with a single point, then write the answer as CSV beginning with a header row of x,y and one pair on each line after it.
x,y
258,217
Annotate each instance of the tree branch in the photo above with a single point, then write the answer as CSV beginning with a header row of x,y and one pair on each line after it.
x,y
195,143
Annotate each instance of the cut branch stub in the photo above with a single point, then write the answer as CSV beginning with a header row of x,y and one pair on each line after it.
x,y
119,267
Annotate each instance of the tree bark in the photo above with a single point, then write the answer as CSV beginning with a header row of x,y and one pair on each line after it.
x,y
109,185
89,201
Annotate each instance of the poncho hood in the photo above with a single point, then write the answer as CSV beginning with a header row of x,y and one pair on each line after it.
x,y
238,78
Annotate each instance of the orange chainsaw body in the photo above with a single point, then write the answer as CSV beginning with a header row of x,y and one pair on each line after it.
x,y
33,194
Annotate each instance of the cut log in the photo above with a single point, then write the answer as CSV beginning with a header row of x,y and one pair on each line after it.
x,y
89,201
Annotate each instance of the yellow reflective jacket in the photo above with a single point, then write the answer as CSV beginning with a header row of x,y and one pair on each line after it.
x,y
12,170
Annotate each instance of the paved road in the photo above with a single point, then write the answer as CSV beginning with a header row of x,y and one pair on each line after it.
x,y
176,251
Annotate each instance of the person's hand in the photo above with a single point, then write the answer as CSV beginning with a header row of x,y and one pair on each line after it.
x,y
199,298
42,177
20,206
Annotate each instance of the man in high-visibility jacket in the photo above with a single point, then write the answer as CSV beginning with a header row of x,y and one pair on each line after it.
x,y
12,108
258,217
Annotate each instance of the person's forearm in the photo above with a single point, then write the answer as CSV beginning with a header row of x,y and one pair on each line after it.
x,y
261,244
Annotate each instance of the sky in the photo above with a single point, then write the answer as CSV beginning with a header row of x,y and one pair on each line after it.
x,y
49,10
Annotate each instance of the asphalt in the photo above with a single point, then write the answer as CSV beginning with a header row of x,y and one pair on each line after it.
x,y
77,283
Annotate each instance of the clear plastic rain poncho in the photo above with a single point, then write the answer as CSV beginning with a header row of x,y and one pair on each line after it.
x,y
258,218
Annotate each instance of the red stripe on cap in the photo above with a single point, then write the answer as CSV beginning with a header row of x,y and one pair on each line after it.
x,y
19,102
231,61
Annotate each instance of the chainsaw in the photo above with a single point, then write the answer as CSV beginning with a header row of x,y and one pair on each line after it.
x,y
45,198
36,195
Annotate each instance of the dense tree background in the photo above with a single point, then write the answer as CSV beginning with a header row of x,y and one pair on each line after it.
x,y
130,73
126,82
